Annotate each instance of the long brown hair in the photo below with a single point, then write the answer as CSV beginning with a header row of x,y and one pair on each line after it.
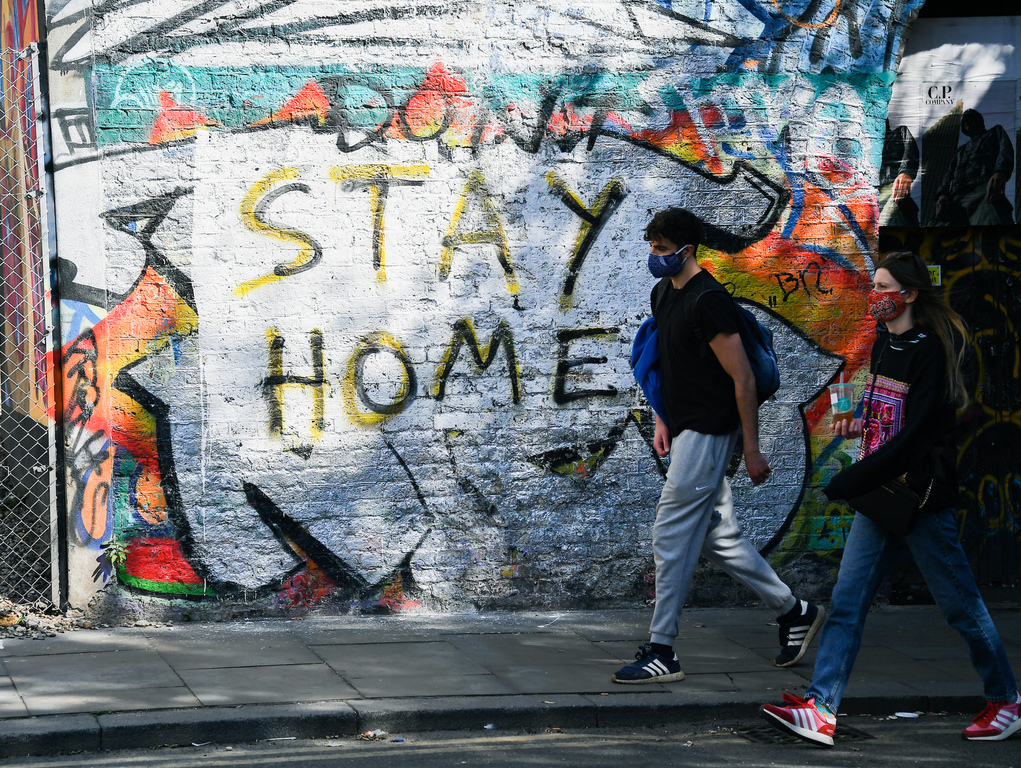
x,y
932,313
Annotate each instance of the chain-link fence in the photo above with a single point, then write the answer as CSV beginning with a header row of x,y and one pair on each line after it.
x,y
27,448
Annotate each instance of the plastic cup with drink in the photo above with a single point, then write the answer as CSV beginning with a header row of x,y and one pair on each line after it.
x,y
842,401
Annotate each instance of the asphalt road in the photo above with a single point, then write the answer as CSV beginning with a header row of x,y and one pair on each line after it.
x,y
932,741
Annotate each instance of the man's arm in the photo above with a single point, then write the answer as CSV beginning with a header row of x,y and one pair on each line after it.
x,y
730,352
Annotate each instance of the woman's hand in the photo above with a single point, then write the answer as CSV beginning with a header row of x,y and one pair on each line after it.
x,y
848,429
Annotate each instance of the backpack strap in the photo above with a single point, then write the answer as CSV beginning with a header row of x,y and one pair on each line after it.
x,y
690,304
658,293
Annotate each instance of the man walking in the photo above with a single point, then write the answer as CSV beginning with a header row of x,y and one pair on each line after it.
x,y
709,391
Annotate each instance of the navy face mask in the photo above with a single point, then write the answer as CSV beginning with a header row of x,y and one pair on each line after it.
x,y
666,266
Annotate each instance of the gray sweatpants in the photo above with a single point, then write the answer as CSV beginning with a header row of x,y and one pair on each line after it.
x,y
695,515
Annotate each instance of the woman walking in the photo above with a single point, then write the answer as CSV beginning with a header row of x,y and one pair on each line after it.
x,y
910,413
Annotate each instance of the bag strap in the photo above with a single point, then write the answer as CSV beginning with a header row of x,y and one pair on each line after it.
x,y
927,492
659,292
875,375
691,315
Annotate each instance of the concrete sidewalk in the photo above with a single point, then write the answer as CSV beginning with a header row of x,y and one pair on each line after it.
x,y
326,676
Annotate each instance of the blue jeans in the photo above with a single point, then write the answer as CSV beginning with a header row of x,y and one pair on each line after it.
x,y
870,552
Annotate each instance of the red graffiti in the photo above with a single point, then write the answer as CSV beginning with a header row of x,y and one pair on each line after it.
x,y
176,122
159,560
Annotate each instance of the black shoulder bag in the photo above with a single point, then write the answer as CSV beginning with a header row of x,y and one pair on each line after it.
x,y
892,506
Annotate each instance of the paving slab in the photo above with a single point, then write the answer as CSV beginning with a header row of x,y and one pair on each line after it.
x,y
343,630
314,636
367,660
113,671
89,682
5,680
403,685
768,653
932,652
773,680
902,618
879,664
231,686
96,701
610,625
726,617
232,649
518,650
11,704
566,678
81,641
697,633
755,636
1008,622
721,655
958,668
701,683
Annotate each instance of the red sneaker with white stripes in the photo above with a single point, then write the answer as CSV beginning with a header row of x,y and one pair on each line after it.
x,y
999,720
805,719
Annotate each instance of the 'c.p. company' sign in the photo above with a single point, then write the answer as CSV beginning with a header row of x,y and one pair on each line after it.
x,y
939,95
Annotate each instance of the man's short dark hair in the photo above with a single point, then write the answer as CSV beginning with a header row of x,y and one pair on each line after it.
x,y
678,225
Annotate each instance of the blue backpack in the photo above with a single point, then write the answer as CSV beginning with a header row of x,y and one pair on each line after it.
x,y
645,365
756,338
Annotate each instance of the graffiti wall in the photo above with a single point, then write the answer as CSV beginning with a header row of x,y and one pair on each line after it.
x,y
348,291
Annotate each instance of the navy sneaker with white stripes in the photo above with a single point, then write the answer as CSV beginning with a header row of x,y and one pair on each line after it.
x,y
649,667
797,629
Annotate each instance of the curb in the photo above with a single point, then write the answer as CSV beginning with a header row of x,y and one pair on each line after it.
x,y
305,720
51,734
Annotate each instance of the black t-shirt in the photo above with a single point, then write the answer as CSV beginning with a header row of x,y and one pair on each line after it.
x,y
698,393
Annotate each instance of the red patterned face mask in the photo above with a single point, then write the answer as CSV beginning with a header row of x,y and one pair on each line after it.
x,y
887,305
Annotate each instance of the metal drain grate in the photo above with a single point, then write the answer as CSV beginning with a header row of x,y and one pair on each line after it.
x,y
767,734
